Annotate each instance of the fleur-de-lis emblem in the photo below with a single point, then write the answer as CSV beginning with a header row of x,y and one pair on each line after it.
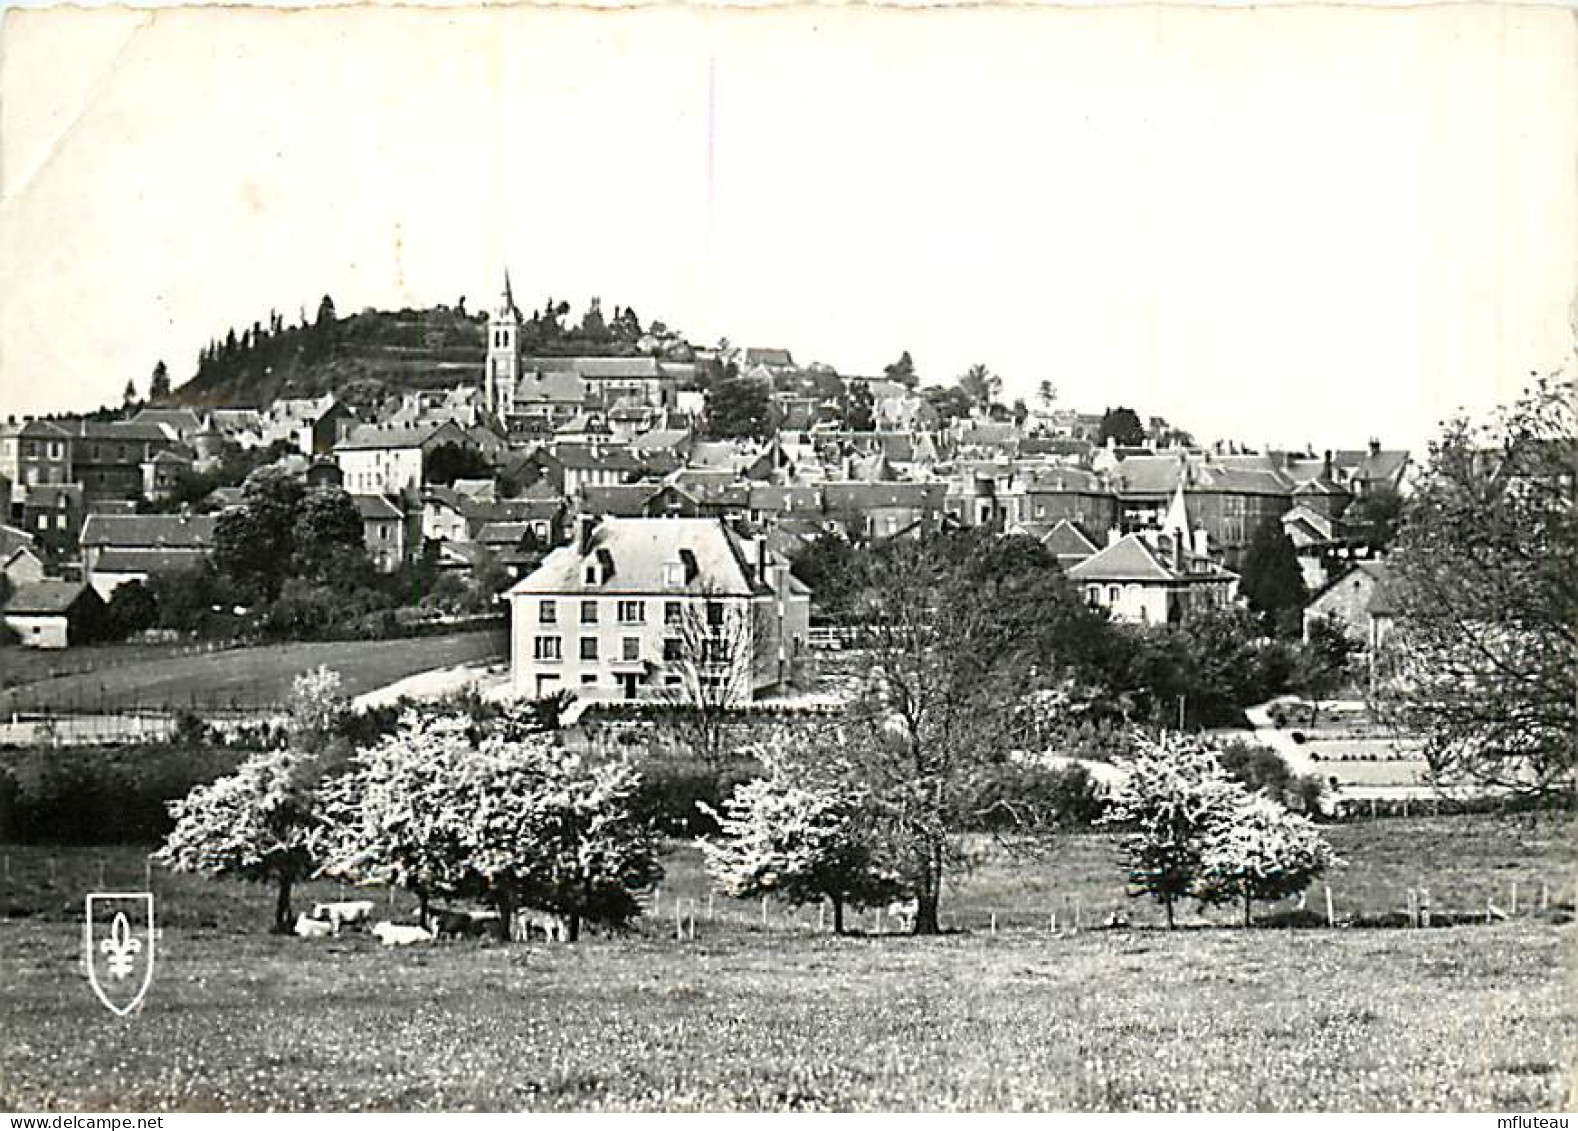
x,y
118,941
121,947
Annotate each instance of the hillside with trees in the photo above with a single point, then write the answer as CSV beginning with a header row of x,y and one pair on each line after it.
x,y
364,357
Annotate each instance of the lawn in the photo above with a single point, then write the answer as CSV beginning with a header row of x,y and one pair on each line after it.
x,y
250,676
1476,1017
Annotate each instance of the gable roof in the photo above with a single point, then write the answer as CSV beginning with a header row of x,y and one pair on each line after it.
x,y
1067,543
46,598
623,500
1127,559
13,539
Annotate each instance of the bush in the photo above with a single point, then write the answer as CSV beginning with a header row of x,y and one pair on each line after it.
x,y
1066,797
672,792
1261,770
100,795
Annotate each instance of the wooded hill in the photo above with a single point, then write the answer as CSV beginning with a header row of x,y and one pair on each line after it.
x,y
365,357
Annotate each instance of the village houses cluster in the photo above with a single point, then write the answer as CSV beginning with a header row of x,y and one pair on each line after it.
x,y
615,518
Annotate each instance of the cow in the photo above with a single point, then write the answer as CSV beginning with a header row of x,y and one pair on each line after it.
x,y
902,914
401,934
344,914
461,923
528,920
311,927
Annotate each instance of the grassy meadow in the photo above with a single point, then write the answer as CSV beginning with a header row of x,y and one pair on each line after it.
x,y
748,1015
244,676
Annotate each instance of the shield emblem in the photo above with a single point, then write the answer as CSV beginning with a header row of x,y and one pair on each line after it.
x,y
117,936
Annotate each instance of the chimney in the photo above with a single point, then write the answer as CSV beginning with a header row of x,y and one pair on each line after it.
x,y
1177,546
1325,469
1202,542
1113,534
585,527
1375,446
761,559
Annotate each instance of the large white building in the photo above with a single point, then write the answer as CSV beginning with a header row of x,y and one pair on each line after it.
x,y
657,608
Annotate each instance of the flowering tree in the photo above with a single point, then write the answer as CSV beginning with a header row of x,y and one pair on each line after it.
x,y
260,823
550,830
1261,852
1173,801
397,816
800,842
316,707
441,808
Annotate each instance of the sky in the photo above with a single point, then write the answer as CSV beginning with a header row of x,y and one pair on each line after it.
x,y
1280,225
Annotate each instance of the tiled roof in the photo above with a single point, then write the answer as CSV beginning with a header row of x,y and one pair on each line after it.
x,y
640,549
374,437
34,429
170,560
45,598
376,506
624,500
597,368
1127,559
873,496
163,531
1067,543
180,419
767,356
611,457
13,539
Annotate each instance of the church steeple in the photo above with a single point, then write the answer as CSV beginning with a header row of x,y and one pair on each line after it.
x,y
504,357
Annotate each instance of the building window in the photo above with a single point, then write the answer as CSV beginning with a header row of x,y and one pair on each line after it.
x,y
630,648
632,612
589,677
547,612
672,613
588,647
588,612
674,575
547,648
671,650
591,575
714,614
1112,594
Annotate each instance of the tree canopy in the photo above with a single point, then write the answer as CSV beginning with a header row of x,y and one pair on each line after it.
x,y
1122,426
1485,588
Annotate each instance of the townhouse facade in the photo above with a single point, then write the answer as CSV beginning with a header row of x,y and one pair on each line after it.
x,y
655,608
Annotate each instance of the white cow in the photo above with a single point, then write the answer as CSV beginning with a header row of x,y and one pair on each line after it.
x,y
311,927
902,914
553,928
399,934
345,913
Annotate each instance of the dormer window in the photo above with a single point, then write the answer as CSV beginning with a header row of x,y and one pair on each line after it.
x,y
591,573
674,575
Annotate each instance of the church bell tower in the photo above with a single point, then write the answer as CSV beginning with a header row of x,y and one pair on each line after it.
x,y
504,357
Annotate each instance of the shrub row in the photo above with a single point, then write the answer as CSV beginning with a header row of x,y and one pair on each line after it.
x,y
100,795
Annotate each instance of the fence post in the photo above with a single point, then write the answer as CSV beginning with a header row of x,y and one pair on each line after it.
x,y
1424,906
764,911
1545,895
1331,919
821,915
1076,914
994,922
1513,910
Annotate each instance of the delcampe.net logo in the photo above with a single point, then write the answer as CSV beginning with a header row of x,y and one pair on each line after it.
x,y
117,938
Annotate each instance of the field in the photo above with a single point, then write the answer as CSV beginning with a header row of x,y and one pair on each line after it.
x,y
246,676
780,1016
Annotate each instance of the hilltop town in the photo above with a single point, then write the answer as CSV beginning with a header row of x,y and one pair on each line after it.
x,y
468,459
